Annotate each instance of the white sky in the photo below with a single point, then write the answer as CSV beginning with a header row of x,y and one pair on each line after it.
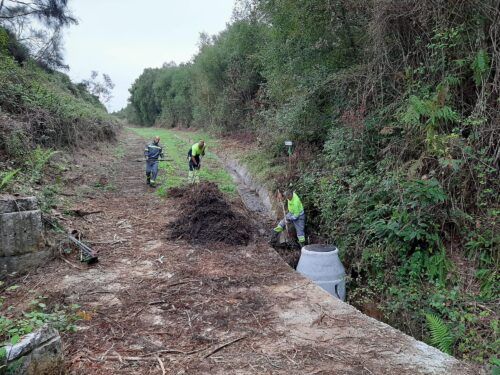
x,y
122,37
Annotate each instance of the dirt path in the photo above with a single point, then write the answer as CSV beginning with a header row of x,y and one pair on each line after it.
x,y
160,306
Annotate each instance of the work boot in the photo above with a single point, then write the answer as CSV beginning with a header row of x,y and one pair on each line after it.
x,y
152,183
148,179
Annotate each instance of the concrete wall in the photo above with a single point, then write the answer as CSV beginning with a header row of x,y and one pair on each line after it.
x,y
21,235
255,196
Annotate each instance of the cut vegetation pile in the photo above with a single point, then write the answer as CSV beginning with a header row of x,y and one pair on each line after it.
x,y
207,217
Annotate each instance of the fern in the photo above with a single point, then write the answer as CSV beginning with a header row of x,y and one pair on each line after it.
x,y
480,66
7,177
447,114
37,162
416,108
438,266
441,337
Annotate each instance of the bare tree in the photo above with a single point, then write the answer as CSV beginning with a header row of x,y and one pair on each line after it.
x,y
102,89
52,13
38,24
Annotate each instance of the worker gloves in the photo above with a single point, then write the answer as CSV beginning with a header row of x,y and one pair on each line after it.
x,y
278,229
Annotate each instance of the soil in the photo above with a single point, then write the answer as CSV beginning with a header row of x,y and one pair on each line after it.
x,y
207,217
290,255
153,305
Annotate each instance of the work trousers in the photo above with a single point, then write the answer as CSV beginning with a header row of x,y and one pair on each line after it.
x,y
194,169
192,166
152,169
299,223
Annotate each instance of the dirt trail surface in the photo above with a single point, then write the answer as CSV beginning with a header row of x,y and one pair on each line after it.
x,y
161,306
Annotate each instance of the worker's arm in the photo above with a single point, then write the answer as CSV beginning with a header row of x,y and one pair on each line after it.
x,y
146,152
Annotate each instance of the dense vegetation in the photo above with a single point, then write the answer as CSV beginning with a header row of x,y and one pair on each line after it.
x,y
394,110
41,110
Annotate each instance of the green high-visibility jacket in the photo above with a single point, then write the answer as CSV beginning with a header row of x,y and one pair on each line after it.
x,y
196,150
295,205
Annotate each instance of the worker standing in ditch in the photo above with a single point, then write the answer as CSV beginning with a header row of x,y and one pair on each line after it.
x,y
194,156
295,215
153,152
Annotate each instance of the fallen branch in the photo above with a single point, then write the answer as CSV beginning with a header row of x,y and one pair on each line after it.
x,y
223,346
135,359
161,365
297,287
138,312
82,213
173,284
176,351
112,242
76,195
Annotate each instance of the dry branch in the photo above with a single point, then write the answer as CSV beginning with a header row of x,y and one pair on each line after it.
x,y
223,346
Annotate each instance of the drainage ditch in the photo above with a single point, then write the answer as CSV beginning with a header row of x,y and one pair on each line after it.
x,y
258,200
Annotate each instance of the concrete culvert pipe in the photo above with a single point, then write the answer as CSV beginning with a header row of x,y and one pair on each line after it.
x,y
321,264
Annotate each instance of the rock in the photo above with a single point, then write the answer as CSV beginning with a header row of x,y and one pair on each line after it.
x,y
25,262
39,353
20,232
21,235
9,203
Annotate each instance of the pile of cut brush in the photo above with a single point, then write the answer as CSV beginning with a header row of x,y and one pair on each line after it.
x,y
207,217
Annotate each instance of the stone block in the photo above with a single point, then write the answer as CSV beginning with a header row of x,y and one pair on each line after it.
x,y
20,232
9,203
39,353
25,262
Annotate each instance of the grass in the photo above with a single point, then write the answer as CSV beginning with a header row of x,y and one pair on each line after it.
x,y
261,166
119,151
176,145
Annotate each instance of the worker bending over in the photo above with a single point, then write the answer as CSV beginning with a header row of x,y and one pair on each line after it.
x,y
194,156
153,152
295,215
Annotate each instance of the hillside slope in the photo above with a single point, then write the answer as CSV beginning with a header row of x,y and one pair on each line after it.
x,y
42,111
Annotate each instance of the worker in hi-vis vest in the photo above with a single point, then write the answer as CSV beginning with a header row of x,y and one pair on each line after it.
x,y
295,215
194,156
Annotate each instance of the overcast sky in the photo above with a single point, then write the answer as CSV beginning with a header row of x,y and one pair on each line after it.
x,y
122,37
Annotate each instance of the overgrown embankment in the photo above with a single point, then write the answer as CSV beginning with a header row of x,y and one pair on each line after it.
x,y
42,111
